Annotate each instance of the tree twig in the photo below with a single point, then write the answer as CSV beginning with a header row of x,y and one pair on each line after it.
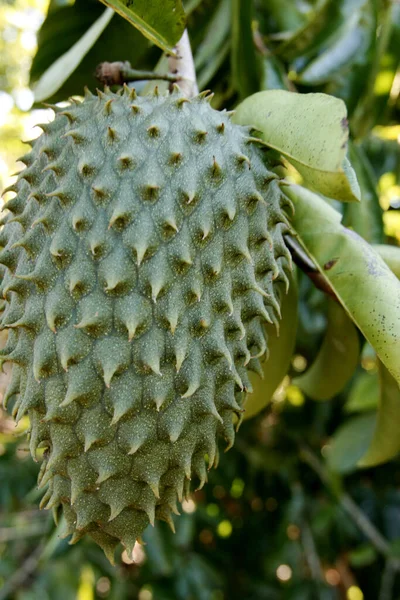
x,y
310,551
303,261
349,506
118,73
182,66
388,579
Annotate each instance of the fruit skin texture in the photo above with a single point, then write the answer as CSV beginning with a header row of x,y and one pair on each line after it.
x,y
141,258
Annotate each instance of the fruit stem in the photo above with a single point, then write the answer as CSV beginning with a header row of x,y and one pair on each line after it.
x,y
118,73
182,66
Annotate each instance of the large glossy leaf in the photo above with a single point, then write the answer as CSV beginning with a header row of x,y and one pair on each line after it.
x,y
280,349
161,21
285,120
385,443
350,442
337,359
362,282
55,76
386,440
246,72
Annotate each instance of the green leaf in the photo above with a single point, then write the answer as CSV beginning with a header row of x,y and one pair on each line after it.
x,y
215,44
191,5
162,22
365,217
277,113
274,76
211,69
285,120
215,35
281,349
65,25
364,394
289,15
391,256
385,444
337,55
52,80
364,285
303,37
157,552
337,359
373,52
343,61
246,72
350,442
55,540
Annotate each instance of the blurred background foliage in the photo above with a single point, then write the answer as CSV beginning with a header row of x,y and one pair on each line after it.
x,y
287,515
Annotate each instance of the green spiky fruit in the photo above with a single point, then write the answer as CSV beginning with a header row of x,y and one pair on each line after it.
x,y
141,255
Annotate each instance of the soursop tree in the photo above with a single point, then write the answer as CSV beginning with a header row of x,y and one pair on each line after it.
x,y
160,257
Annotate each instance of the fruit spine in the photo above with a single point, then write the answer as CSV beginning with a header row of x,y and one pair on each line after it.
x,y
141,257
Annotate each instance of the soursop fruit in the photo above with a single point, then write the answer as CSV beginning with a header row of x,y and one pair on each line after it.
x,y
141,255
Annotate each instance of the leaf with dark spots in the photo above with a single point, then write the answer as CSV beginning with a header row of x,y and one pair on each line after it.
x,y
331,263
363,284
